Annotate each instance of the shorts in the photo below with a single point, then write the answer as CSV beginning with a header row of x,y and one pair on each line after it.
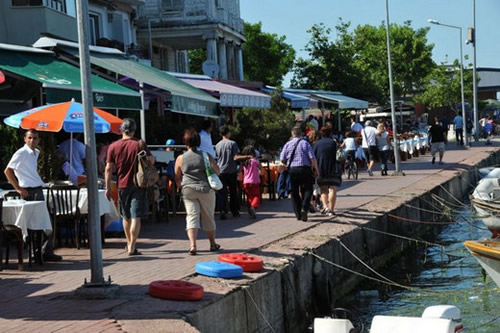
x,y
371,153
329,189
133,202
200,209
437,146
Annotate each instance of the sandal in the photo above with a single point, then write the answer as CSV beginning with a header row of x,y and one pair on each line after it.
x,y
214,247
135,253
192,251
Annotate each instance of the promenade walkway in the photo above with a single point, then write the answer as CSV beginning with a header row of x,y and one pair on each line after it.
x,y
41,299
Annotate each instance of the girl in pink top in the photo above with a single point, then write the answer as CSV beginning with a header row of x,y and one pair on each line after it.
x,y
251,180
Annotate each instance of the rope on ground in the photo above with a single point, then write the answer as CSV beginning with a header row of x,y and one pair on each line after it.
x,y
420,222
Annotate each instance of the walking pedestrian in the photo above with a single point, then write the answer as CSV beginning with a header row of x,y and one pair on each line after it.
x,y
22,174
437,137
251,180
459,129
206,144
302,169
199,198
329,173
384,147
227,155
133,201
369,144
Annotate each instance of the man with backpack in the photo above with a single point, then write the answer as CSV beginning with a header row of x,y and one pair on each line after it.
x,y
122,158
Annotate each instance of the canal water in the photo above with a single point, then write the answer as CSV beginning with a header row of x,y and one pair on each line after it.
x,y
444,276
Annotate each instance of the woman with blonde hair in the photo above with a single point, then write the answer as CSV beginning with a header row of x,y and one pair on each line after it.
x,y
383,146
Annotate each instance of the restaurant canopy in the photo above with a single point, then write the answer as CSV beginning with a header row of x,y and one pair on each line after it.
x,y
184,97
333,97
61,81
296,101
230,96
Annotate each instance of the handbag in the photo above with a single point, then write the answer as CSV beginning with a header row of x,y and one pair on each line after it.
x,y
213,180
341,155
145,175
283,185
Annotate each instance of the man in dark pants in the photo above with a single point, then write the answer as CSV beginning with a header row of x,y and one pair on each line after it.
x,y
22,174
302,168
227,154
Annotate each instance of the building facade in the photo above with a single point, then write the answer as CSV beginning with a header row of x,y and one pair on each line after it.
x,y
112,22
168,28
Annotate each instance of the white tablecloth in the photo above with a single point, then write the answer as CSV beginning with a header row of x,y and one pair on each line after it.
x,y
27,215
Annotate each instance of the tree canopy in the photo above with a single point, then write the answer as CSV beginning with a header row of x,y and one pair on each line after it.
x,y
266,57
355,63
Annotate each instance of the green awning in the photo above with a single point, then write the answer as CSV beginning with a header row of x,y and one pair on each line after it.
x,y
185,98
61,81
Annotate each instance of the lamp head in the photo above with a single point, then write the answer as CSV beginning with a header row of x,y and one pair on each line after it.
x,y
433,21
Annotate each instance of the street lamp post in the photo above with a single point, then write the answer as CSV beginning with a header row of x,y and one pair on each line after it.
x,y
474,74
432,21
391,90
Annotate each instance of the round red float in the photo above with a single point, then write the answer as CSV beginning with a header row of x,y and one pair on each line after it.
x,y
248,263
176,290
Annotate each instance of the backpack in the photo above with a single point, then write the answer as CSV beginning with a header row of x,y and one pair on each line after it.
x,y
146,174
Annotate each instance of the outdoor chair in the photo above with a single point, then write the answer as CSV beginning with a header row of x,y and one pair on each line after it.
x,y
10,235
62,203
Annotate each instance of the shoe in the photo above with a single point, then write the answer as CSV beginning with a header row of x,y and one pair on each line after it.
x,y
312,210
236,214
135,253
433,160
223,216
370,173
252,212
52,257
325,211
215,247
303,215
331,214
192,251
441,162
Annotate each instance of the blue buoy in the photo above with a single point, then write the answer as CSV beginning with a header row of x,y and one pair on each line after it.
x,y
219,269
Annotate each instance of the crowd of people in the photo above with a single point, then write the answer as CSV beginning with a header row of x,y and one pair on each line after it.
x,y
309,158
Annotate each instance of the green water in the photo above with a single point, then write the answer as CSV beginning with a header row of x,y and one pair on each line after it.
x,y
451,276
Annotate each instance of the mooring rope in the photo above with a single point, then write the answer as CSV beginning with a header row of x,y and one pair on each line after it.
x,y
404,237
423,209
258,309
420,222
452,196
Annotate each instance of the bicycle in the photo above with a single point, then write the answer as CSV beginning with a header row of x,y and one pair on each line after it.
x,y
351,167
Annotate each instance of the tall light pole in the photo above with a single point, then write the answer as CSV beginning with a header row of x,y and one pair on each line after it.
x,y
474,74
397,172
432,21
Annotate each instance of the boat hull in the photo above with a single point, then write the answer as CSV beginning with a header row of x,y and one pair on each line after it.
x,y
490,215
487,253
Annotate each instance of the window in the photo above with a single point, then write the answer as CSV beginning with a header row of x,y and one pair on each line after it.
x,y
59,5
27,2
173,5
95,31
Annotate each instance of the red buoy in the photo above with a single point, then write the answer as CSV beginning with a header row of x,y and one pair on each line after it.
x,y
248,263
176,290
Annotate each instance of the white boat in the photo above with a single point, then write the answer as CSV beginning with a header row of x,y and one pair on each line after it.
x,y
486,201
487,253
434,319
489,172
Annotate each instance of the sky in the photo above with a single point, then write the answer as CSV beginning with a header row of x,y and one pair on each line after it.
x,y
292,18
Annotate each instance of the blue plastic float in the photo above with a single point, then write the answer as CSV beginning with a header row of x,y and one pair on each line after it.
x,y
219,269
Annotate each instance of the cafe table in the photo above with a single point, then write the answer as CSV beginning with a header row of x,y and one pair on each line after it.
x,y
32,215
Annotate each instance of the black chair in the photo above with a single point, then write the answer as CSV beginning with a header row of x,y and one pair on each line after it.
x,y
62,203
10,234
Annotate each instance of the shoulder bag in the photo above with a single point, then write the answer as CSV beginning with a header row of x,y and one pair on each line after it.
x,y
213,180
283,185
145,175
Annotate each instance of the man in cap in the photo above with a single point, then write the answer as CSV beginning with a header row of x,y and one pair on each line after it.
x,y
122,159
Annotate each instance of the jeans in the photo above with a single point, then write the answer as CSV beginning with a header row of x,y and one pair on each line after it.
x,y
459,133
384,155
301,179
229,183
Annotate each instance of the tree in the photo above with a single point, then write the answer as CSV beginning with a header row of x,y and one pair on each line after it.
x,y
270,128
356,63
266,57
196,59
443,87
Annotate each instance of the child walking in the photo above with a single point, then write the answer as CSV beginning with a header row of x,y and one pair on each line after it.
x,y
251,180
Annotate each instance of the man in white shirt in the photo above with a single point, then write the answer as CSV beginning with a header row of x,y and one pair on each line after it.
x,y
355,126
206,139
22,174
369,144
459,129
313,121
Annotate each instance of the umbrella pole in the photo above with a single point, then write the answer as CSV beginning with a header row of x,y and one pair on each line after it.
x,y
70,156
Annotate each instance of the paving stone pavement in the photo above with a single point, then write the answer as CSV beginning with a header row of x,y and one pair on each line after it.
x,y
40,299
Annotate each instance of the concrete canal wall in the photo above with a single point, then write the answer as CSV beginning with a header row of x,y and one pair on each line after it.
x,y
296,286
